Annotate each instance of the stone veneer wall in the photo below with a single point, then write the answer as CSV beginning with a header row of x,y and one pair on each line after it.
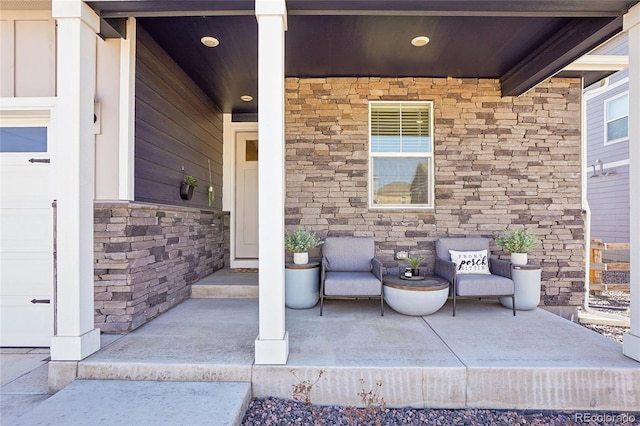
x,y
499,162
148,255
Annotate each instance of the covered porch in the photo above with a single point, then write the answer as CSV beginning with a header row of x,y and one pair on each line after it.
x,y
271,322
484,357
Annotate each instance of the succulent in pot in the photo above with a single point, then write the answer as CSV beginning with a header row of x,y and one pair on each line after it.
x,y
187,186
299,243
415,262
518,242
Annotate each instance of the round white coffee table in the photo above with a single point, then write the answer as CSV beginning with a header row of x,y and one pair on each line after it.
x,y
417,297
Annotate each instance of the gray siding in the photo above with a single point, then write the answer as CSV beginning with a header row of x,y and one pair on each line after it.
x,y
176,126
618,45
608,198
619,76
596,149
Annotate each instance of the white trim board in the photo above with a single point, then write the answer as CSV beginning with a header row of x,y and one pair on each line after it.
x,y
601,90
230,131
605,166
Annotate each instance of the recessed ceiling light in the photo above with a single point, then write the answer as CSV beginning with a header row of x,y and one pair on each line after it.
x,y
246,98
209,41
420,41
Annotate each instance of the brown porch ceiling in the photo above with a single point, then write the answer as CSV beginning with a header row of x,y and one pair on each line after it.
x,y
520,42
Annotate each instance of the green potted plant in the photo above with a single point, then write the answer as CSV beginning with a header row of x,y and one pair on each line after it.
x,y
518,242
299,243
187,186
415,262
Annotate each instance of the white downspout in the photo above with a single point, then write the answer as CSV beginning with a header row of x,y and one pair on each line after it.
x,y
585,203
592,317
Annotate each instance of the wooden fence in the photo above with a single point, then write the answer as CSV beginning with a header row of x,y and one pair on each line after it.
x,y
598,266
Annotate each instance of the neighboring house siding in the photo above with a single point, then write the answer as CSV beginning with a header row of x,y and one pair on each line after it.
x,y
595,133
499,162
176,126
619,45
609,203
608,195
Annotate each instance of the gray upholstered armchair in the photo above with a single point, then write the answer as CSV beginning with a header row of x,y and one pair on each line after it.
x,y
472,275
350,270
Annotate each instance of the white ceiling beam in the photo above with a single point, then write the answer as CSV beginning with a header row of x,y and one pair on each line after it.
x,y
599,63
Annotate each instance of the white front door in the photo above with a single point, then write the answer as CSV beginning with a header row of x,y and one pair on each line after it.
x,y
26,237
246,212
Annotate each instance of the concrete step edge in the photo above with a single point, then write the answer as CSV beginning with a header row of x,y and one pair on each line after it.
x,y
224,291
103,402
603,319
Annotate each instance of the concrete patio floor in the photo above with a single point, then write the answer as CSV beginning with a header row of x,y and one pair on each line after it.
x,y
484,357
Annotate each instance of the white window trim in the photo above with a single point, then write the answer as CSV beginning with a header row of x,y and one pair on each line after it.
x,y
371,155
28,112
606,102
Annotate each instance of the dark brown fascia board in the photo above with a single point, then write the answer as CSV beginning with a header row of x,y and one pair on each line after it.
x,y
157,8
575,40
506,8
520,8
113,28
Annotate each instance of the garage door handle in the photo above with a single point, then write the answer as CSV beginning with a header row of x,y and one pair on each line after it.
x,y
34,301
39,160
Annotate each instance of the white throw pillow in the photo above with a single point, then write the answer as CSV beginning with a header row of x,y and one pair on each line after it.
x,y
470,262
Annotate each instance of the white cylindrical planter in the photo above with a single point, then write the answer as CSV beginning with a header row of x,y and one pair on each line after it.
x,y
526,279
519,258
301,258
302,285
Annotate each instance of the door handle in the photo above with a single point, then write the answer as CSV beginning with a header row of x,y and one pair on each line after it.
x,y
39,160
34,301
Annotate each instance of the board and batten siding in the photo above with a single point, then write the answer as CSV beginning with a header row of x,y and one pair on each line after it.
x,y
608,195
177,126
27,54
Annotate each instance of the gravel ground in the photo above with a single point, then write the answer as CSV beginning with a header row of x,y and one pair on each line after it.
x,y
284,412
611,302
275,411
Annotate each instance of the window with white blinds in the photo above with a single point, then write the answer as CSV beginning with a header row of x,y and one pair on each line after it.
x,y
401,154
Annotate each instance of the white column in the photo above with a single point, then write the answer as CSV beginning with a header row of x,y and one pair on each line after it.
x,y
631,346
76,337
126,157
272,344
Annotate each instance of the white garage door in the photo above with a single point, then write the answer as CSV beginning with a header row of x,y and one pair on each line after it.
x,y
26,237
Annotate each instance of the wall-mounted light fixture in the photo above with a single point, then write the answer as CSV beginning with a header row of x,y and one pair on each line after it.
x,y
601,171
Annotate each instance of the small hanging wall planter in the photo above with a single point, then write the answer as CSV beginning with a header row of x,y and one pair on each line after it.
x,y
187,186
212,194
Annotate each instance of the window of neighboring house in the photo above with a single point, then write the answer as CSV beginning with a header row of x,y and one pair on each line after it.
x,y
616,119
23,139
401,155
